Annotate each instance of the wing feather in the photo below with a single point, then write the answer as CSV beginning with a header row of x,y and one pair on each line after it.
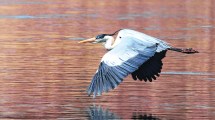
x,y
118,63
151,68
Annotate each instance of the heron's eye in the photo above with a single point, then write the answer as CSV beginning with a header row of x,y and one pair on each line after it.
x,y
100,36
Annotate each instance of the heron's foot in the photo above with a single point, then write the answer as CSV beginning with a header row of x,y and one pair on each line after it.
x,y
189,51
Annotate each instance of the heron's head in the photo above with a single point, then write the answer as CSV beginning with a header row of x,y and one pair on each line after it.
x,y
101,38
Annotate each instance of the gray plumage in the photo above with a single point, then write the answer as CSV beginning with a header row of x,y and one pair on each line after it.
x,y
131,52
134,49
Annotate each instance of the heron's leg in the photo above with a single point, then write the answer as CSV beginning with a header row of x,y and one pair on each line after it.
x,y
184,50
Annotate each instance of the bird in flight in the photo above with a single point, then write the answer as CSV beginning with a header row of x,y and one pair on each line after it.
x,y
131,52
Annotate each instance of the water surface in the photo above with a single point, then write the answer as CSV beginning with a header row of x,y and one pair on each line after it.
x,y
44,72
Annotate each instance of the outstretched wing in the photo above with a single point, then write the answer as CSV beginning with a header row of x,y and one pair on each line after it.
x,y
151,68
124,59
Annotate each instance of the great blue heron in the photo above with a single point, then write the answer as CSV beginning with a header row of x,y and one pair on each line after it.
x,y
132,52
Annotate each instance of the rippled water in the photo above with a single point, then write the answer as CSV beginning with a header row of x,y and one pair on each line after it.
x,y
44,72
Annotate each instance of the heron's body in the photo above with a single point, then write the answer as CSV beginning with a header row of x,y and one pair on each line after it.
x,y
131,52
143,39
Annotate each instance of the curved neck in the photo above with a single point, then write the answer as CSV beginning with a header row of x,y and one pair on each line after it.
x,y
109,42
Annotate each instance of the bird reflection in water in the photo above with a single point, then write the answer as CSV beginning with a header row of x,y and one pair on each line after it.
x,y
98,113
142,116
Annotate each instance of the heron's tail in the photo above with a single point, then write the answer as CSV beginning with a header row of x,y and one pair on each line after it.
x,y
184,50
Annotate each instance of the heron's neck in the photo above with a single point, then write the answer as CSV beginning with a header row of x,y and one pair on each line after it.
x,y
109,43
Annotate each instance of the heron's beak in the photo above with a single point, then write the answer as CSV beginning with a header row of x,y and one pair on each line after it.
x,y
88,40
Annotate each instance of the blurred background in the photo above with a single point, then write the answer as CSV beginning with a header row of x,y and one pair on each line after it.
x,y
44,72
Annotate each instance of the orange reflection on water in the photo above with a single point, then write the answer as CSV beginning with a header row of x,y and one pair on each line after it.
x,y
44,72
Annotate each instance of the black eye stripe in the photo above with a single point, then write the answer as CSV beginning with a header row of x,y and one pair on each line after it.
x,y
100,36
